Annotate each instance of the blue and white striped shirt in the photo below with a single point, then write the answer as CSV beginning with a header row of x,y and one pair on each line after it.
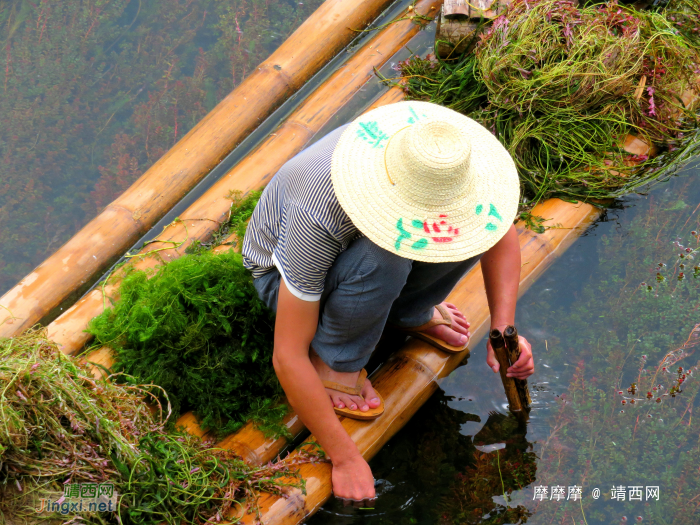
x,y
298,226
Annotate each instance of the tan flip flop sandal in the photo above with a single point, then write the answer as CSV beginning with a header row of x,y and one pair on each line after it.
x,y
419,332
356,390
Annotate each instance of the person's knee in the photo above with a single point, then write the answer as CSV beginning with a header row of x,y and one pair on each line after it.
x,y
377,268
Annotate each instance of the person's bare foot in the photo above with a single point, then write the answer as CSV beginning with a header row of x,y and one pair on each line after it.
x,y
456,335
368,398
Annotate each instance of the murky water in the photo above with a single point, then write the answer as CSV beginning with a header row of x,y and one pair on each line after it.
x,y
595,330
93,92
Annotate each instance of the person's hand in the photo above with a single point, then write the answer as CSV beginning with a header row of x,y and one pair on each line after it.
x,y
522,368
353,481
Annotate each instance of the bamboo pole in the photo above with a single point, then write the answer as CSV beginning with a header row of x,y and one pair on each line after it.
x,y
510,335
119,226
251,173
499,349
249,438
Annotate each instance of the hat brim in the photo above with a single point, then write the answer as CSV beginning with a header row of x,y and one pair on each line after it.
x,y
467,226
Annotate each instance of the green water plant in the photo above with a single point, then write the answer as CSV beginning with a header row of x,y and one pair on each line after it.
x,y
563,86
197,329
625,417
59,427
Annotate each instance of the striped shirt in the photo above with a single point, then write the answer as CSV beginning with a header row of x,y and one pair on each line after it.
x,y
298,225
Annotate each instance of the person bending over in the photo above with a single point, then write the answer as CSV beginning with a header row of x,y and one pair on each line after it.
x,y
375,224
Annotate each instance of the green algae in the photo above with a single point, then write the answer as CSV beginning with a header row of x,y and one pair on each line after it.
x,y
197,329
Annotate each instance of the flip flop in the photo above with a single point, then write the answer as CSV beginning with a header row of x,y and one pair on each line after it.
x,y
419,332
356,390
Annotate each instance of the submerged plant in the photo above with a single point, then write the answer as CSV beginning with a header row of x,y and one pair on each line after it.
x,y
60,427
626,417
93,92
197,329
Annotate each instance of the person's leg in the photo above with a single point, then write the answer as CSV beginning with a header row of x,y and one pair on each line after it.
x,y
360,288
428,285
268,286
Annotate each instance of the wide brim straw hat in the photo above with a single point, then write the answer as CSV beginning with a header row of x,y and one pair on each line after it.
x,y
425,182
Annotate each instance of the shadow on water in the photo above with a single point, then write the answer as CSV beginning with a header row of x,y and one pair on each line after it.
x,y
431,458
611,323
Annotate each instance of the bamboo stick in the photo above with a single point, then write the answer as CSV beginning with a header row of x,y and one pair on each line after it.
x,y
510,335
119,226
499,348
251,173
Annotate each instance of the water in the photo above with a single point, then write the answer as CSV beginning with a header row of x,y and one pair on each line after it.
x,y
93,92
595,330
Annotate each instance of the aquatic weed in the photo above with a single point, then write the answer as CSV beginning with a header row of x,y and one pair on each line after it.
x,y
58,425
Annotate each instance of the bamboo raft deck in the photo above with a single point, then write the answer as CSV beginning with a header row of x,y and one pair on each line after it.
x,y
411,375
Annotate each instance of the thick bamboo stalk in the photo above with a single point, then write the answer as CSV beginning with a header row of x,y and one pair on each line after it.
x,y
510,335
119,226
254,171
499,348
410,376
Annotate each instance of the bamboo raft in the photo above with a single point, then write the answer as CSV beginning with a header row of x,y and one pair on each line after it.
x,y
411,375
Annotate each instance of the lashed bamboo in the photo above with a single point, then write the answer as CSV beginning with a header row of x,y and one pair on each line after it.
x,y
249,439
254,171
119,226
499,349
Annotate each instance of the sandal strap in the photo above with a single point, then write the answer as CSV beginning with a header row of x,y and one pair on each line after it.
x,y
446,319
352,390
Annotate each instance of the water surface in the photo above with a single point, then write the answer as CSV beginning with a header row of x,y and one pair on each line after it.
x,y
93,92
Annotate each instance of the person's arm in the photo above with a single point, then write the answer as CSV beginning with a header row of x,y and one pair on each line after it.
x,y
500,266
295,328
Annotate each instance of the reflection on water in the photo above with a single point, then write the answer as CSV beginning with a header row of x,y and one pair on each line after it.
x,y
613,327
93,92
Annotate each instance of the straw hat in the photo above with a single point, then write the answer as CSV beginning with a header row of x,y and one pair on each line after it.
x,y
425,182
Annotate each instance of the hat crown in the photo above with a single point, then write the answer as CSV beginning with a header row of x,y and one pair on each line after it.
x,y
429,163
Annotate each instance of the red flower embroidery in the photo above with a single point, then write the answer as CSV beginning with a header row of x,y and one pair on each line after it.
x,y
443,228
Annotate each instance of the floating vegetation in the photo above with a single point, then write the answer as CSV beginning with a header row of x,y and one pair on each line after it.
x,y
61,427
562,87
197,329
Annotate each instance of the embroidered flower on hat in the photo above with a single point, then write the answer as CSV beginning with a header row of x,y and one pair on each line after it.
x,y
438,230
493,212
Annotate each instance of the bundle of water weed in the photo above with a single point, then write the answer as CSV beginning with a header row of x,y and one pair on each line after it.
x,y
197,329
562,87
685,15
60,429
